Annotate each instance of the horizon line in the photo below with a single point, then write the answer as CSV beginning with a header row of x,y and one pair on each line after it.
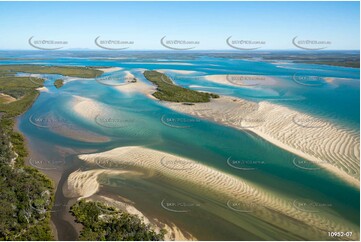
x,y
129,50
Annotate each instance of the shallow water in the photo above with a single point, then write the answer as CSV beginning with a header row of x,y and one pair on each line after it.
x,y
142,121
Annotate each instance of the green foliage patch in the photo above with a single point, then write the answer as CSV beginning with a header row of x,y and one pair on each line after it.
x,y
168,91
104,223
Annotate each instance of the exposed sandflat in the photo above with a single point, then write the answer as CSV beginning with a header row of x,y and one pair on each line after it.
x,y
110,69
270,207
241,80
328,146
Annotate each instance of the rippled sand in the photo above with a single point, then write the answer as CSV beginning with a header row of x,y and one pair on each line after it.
x,y
325,144
274,209
82,184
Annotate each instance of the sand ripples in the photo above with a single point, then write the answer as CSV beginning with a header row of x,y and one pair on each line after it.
x,y
275,209
326,145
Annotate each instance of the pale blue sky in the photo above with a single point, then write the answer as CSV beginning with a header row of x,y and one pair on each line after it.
x,y
210,23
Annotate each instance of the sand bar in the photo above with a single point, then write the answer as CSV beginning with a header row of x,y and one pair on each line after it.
x,y
83,184
173,232
110,69
241,80
182,72
137,87
269,206
327,145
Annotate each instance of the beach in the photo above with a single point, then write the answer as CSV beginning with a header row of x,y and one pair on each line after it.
x,y
163,154
293,131
85,185
173,232
206,180
241,80
182,72
136,87
110,69
296,132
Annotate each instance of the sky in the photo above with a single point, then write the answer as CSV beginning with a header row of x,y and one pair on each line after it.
x,y
208,24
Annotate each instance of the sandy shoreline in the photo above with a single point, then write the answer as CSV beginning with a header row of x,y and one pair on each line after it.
x,y
241,80
279,125
205,179
296,132
293,131
84,184
110,69
137,87
174,233
182,72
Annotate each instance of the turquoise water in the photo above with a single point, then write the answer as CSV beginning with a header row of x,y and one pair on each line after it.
x,y
206,142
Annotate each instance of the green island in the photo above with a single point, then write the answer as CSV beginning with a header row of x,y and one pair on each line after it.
x,y
72,71
59,83
168,91
104,223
